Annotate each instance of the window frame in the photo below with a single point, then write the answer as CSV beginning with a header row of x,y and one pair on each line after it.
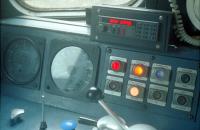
x,y
55,13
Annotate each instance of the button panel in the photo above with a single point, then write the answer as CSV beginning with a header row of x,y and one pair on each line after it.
x,y
185,78
157,95
182,100
160,74
135,91
152,81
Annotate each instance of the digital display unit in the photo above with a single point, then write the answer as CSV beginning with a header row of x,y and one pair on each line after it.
x,y
139,28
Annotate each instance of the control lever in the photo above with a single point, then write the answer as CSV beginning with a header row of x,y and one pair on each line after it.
x,y
87,121
95,94
43,124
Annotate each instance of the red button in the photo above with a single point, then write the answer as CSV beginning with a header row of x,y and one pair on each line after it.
x,y
116,65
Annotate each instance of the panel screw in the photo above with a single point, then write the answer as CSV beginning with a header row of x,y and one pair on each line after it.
x,y
98,10
96,37
48,87
153,57
160,17
157,46
109,50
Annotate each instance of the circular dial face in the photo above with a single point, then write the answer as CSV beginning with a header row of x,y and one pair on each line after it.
x,y
21,61
71,69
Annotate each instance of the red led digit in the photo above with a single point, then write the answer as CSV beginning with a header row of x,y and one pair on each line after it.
x,y
126,22
122,22
113,21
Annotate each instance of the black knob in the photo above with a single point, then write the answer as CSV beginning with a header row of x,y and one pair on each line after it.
x,y
94,94
157,95
185,78
114,85
43,125
181,100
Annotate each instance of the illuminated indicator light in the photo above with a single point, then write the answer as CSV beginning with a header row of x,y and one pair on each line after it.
x,y
126,22
134,91
138,70
116,65
113,21
160,73
121,22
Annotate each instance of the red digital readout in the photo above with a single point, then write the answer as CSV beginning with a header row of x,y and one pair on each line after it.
x,y
120,21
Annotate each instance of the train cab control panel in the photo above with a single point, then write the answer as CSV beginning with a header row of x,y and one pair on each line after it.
x,y
49,67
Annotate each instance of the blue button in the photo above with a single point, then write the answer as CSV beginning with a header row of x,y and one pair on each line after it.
x,y
160,73
69,125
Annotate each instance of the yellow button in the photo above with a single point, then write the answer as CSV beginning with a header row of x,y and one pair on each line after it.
x,y
138,70
134,91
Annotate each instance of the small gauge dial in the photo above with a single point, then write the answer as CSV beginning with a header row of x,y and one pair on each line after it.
x,y
21,61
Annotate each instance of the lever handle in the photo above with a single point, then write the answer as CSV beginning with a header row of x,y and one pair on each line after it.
x,y
87,121
94,94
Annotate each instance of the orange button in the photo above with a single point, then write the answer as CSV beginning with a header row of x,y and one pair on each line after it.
x,y
134,91
138,70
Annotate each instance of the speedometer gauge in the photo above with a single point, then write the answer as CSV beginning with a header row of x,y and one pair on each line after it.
x,y
71,69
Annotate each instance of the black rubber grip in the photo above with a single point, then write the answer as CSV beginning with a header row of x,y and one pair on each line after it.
x,y
87,121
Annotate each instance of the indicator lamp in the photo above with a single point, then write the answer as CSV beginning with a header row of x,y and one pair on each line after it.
x,y
160,73
116,65
134,91
138,70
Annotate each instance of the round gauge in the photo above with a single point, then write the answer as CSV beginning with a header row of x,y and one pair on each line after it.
x,y
71,69
21,61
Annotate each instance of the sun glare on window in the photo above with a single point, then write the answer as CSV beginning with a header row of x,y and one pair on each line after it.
x,y
46,5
